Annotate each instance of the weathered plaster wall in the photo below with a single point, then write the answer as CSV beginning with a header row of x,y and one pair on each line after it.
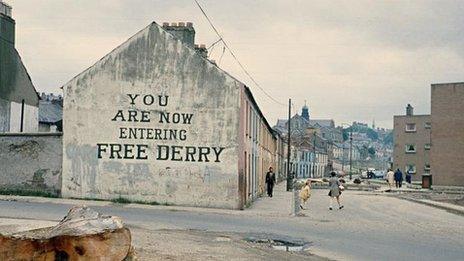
x,y
31,162
30,120
4,115
152,63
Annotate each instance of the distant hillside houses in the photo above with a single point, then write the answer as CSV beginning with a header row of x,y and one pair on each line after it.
x,y
312,141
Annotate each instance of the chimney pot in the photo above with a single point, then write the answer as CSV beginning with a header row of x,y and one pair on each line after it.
x,y
182,24
189,24
173,24
165,24
196,45
409,110
202,46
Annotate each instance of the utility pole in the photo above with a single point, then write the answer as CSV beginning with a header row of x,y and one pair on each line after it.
x,y
289,175
343,157
351,151
314,151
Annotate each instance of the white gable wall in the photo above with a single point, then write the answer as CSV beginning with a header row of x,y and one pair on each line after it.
x,y
152,63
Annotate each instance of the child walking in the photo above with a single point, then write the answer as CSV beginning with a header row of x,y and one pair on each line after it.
x,y
305,193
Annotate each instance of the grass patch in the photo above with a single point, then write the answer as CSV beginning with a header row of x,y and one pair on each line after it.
x,y
122,200
29,193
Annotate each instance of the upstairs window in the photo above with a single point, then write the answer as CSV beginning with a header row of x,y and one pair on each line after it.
x,y
410,127
427,167
411,168
410,148
428,125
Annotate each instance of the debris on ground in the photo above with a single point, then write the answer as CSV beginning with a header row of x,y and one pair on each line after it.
x,y
83,234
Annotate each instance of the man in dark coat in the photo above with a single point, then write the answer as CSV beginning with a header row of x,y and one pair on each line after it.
x,y
398,178
408,176
270,181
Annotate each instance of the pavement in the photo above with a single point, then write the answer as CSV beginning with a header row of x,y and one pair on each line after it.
x,y
372,226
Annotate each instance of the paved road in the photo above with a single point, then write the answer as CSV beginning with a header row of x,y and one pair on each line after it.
x,y
369,228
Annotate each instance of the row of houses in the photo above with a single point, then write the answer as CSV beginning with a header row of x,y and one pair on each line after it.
x,y
154,120
312,144
433,143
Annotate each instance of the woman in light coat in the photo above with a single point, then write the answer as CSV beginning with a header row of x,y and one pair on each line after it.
x,y
335,190
305,193
390,178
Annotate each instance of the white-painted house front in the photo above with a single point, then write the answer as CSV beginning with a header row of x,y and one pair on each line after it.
x,y
19,100
156,121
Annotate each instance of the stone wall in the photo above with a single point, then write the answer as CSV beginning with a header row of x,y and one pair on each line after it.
x,y
31,163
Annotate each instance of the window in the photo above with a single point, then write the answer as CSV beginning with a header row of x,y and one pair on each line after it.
x,y
427,146
411,168
428,125
410,148
427,167
410,127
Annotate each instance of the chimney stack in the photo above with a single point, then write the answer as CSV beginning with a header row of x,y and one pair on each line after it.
x,y
201,49
5,9
7,23
409,110
182,31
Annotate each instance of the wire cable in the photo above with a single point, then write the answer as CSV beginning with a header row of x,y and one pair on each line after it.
x,y
235,57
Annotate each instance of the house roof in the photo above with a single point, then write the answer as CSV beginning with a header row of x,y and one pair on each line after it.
x,y
15,82
50,111
323,123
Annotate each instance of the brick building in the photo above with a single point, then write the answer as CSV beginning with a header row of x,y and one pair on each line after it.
x,y
447,153
411,152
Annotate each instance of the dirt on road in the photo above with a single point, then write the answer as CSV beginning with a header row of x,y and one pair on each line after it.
x,y
204,245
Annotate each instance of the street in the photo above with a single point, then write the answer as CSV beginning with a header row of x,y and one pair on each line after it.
x,y
371,227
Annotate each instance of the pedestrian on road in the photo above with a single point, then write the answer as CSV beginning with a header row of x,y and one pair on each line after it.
x,y
270,181
390,178
335,190
305,193
408,176
398,178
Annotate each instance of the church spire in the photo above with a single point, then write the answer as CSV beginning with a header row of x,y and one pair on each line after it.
x,y
305,112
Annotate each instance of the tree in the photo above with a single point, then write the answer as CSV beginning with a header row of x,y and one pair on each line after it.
x,y
388,138
371,151
372,134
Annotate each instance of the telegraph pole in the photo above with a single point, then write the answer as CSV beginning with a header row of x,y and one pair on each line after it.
x,y
351,151
314,152
289,175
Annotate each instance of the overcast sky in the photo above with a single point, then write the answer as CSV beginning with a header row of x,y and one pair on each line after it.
x,y
351,60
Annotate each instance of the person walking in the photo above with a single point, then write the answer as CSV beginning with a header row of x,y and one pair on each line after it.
x,y
390,178
398,178
335,190
305,193
408,176
270,181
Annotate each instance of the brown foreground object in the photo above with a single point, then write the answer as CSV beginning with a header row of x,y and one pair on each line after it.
x,y
83,234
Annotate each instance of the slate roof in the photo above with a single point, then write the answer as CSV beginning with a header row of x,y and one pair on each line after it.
x,y
323,123
50,111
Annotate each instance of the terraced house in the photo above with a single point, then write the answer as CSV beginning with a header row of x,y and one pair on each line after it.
x,y
156,121
19,100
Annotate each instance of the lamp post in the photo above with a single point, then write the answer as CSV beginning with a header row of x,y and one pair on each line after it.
x,y
289,176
